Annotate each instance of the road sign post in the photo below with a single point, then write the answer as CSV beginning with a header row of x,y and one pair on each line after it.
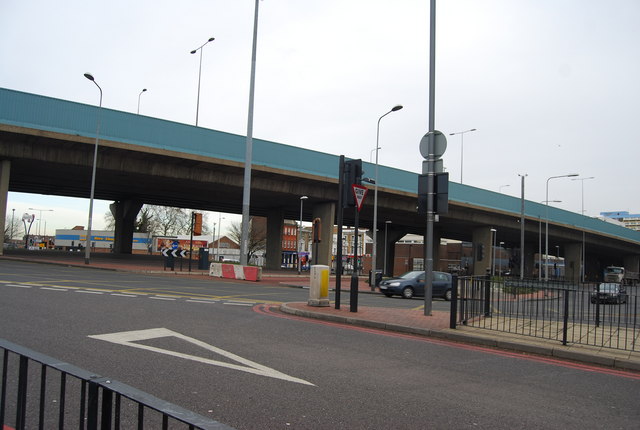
x,y
359,193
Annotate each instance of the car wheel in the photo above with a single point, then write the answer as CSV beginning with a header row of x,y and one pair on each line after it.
x,y
388,294
447,295
407,293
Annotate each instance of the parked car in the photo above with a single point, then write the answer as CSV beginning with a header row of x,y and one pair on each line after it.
x,y
609,292
411,284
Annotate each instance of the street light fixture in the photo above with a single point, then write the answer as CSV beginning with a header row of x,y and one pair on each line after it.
x,y
211,39
540,241
40,219
546,229
583,253
372,282
144,90
302,199
462,133
503,186
386,224
87,252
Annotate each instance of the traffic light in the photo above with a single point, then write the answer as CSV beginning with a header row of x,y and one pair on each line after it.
x,y
479,252
352,175
197,224
441,193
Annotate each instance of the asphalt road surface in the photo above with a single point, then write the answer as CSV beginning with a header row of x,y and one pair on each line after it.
x,y
222,349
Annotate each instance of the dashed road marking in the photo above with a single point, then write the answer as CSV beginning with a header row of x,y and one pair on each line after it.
x,y
162,298
122,295
53,289
18,286
89,292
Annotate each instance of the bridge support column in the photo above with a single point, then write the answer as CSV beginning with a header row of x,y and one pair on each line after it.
x,y
125,213
324,211
530,250
393,236
482,250
275,220
572,257
5,170
632,263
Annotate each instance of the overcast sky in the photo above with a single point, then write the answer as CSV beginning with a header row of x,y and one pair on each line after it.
x,y
552,86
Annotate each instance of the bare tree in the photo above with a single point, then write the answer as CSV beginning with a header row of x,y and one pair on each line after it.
x,y
257,237
161,221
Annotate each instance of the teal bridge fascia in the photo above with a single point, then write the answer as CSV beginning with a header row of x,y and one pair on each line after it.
x,y
62,116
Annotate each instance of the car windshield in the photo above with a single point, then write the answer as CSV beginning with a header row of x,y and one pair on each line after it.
x,y
609,288
411,275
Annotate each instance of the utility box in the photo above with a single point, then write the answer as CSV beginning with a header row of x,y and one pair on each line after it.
x,y
203,259
319,289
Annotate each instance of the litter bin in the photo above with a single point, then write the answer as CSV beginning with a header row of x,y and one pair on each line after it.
x,y
375,279
203,259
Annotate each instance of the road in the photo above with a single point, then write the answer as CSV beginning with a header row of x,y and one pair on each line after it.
x,y
246,365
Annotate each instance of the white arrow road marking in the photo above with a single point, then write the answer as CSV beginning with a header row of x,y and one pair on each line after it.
x,y
128,338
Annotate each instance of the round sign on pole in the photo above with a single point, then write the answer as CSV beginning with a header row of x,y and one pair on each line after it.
x,y
440,145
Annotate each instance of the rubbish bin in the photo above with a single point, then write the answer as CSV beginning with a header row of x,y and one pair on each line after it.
x,y
203,259
375,279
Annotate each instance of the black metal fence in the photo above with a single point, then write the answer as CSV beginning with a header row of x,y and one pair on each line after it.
x,y
38,391
587,314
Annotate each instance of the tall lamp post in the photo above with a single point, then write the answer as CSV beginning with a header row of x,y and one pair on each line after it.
x,y
144,90
462,133
540,242
302,199
583,253
386,224
372,280
546,228
87,251
40,217
211,39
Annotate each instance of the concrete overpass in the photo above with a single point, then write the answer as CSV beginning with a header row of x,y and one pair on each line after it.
x,y
46,147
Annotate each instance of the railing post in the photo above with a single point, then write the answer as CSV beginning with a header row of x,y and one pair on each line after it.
x,y
3,389
21,403
487,296
92,406
565,317
453,314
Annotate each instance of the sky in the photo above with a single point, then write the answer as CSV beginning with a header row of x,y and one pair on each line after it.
x,y
551,86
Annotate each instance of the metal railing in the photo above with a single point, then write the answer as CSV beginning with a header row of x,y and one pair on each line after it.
x,y
563,311
38,391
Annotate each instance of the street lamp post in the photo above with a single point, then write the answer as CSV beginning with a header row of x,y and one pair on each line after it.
x,y
144,90
40,217
546,229
540,242
500,259
87,251
462,133
372,281
386,245
502,186
220,218
583,253
211,39
302,199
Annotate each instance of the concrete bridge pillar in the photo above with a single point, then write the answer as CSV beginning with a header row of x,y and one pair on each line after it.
x,y
572,258
530,250
275,221
5,170
632,263
393,235
482,250
125,213
326,212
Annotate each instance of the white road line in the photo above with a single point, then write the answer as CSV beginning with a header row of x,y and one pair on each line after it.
x,y
238,304
18,286
123,295
201,301
162,298
53,289
89,292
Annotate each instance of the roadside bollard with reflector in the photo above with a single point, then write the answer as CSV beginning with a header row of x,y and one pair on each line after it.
x,y
319,290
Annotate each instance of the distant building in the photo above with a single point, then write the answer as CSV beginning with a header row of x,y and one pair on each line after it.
x,y
631,221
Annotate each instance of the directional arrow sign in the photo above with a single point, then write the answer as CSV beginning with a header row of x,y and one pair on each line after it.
x,y
359,193
129,338
174,252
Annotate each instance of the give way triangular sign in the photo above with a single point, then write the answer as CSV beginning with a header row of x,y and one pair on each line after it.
x,y
359,193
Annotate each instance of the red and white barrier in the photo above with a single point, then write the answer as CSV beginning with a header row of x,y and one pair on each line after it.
x,y
235,271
